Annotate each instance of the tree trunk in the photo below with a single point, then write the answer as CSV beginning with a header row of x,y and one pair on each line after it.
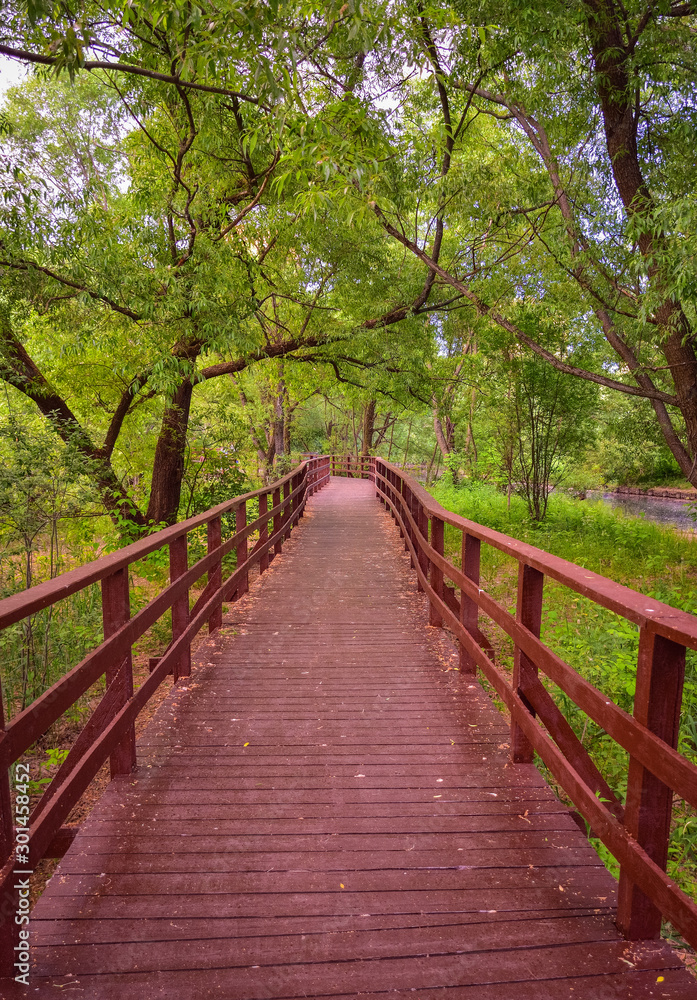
x,y
445,436
168,466
368,427
612,60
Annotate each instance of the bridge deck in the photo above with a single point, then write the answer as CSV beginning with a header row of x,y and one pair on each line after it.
x,y
326,809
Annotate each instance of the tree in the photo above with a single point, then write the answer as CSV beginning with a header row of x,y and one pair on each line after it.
x,y
42,483
628,268
552,421
156,226
552,147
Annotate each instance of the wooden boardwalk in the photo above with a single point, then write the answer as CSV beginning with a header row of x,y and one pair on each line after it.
x,y
326,809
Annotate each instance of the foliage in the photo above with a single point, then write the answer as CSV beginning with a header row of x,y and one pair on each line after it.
x,y
42,484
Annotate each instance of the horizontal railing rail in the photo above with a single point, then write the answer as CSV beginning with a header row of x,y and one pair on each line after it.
x,y
353,466
110,731
636,831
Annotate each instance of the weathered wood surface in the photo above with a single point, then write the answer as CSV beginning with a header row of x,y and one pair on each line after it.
x,y
326,808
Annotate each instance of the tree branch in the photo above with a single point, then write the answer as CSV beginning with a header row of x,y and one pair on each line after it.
x,y
91,64
485,310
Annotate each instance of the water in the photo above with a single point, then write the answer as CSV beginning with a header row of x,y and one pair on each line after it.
x,y
659,509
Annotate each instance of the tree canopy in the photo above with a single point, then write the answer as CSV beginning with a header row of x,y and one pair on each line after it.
x,y
264,217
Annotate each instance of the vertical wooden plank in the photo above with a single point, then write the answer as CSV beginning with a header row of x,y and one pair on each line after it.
x,y
333,466
215,575
403,505
287,490
422,521
278,545
9,930
6,812
302,496
398,494
436,574
528,613
242,550
294,501
469,612
263,532
660,677
116,610
409,504
178,565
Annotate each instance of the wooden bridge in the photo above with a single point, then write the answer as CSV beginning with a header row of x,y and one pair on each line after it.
x,y
327,804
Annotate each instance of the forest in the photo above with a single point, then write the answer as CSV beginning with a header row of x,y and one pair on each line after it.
x,y
457,234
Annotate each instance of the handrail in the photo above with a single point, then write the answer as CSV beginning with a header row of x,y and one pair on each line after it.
x,y
636,832
14,608
110,732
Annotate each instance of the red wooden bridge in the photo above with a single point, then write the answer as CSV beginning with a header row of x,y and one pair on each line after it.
x,y
327,804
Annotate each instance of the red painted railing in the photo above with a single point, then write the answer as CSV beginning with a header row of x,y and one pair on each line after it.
x,y
110,732
636,831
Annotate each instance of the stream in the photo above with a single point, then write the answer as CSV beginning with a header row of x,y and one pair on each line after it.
x,y
659,509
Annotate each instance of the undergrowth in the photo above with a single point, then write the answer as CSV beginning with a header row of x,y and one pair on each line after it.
x,y
657,561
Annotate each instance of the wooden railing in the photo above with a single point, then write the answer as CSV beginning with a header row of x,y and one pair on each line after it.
x,y
110,732
637,831
353,466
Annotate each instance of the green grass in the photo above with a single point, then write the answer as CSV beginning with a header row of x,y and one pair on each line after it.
x,y
655,560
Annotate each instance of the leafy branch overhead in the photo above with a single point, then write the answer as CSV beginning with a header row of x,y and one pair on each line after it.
x,y
351,199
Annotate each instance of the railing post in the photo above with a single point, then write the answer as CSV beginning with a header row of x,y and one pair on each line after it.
x,y
277,518
302,495
422,521
263,533
398,496
528,613
287,507
9,930
409,504
215,574
436,574
657,700
116,611
6,814
469,611
178,565
294,502
241,550
332,470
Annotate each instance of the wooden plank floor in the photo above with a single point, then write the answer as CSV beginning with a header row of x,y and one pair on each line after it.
x,y
326,810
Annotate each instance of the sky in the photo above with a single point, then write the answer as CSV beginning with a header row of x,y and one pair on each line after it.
x,y
11,73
